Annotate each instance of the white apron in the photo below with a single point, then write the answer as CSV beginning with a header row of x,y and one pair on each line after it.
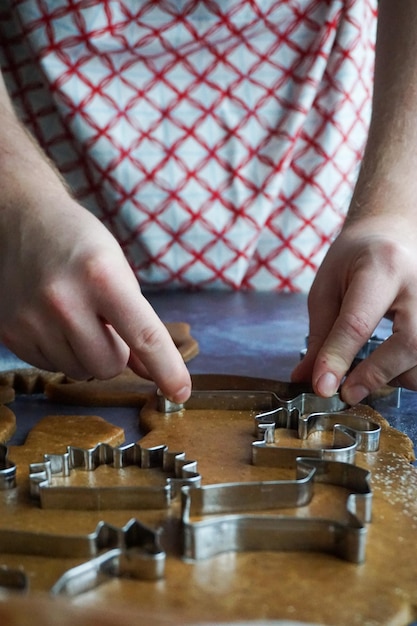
x,y
218,140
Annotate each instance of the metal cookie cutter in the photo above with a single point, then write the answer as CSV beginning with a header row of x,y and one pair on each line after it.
x,y
138,556
115,563
132,551
7,470
370,346
13,579
365,432
351,433
134,535
285,411
121,497
221,526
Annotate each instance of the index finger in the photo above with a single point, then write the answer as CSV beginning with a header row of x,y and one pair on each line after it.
x,y
126,309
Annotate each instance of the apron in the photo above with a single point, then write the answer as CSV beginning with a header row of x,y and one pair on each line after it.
x,y
218,140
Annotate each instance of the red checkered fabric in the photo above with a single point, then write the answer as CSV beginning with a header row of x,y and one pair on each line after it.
x,y
217,139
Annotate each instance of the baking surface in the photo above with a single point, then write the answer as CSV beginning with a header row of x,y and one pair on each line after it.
x,y
309,587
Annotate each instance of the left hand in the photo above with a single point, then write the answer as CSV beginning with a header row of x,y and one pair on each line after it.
x,y
368,273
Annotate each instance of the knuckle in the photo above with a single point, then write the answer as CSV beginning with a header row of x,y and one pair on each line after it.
x,y
387,256
98,269
54,296
149,340
357,326
376,377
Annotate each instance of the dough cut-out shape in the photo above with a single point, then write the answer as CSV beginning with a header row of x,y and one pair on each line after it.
x,y
126,389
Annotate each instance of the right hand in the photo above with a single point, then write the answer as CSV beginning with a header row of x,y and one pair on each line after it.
x,y
71,301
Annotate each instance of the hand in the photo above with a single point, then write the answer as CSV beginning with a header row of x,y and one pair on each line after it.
x,y
368,273
70,301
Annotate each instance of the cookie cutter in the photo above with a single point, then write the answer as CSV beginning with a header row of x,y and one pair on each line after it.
x,y
286,411
7,470
221,526
13,579
351,433
366,432
105,537
115,563
370,346
50,496
305,412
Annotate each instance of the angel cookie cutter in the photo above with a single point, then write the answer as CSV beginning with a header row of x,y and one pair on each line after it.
x,y
136,553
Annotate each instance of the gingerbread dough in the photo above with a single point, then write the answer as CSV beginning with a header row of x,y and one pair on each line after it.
x,y
308,587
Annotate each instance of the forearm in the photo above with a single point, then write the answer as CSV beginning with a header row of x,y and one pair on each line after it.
x,y
390,160
23,165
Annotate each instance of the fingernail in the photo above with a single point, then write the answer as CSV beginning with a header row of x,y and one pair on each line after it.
x,y
356,393
182,395
327,384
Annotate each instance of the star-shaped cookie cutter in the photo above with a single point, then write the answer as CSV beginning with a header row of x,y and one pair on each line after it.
x,y
55,496
222,521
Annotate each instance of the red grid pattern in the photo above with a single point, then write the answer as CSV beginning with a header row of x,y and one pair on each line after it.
x,y
219,141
